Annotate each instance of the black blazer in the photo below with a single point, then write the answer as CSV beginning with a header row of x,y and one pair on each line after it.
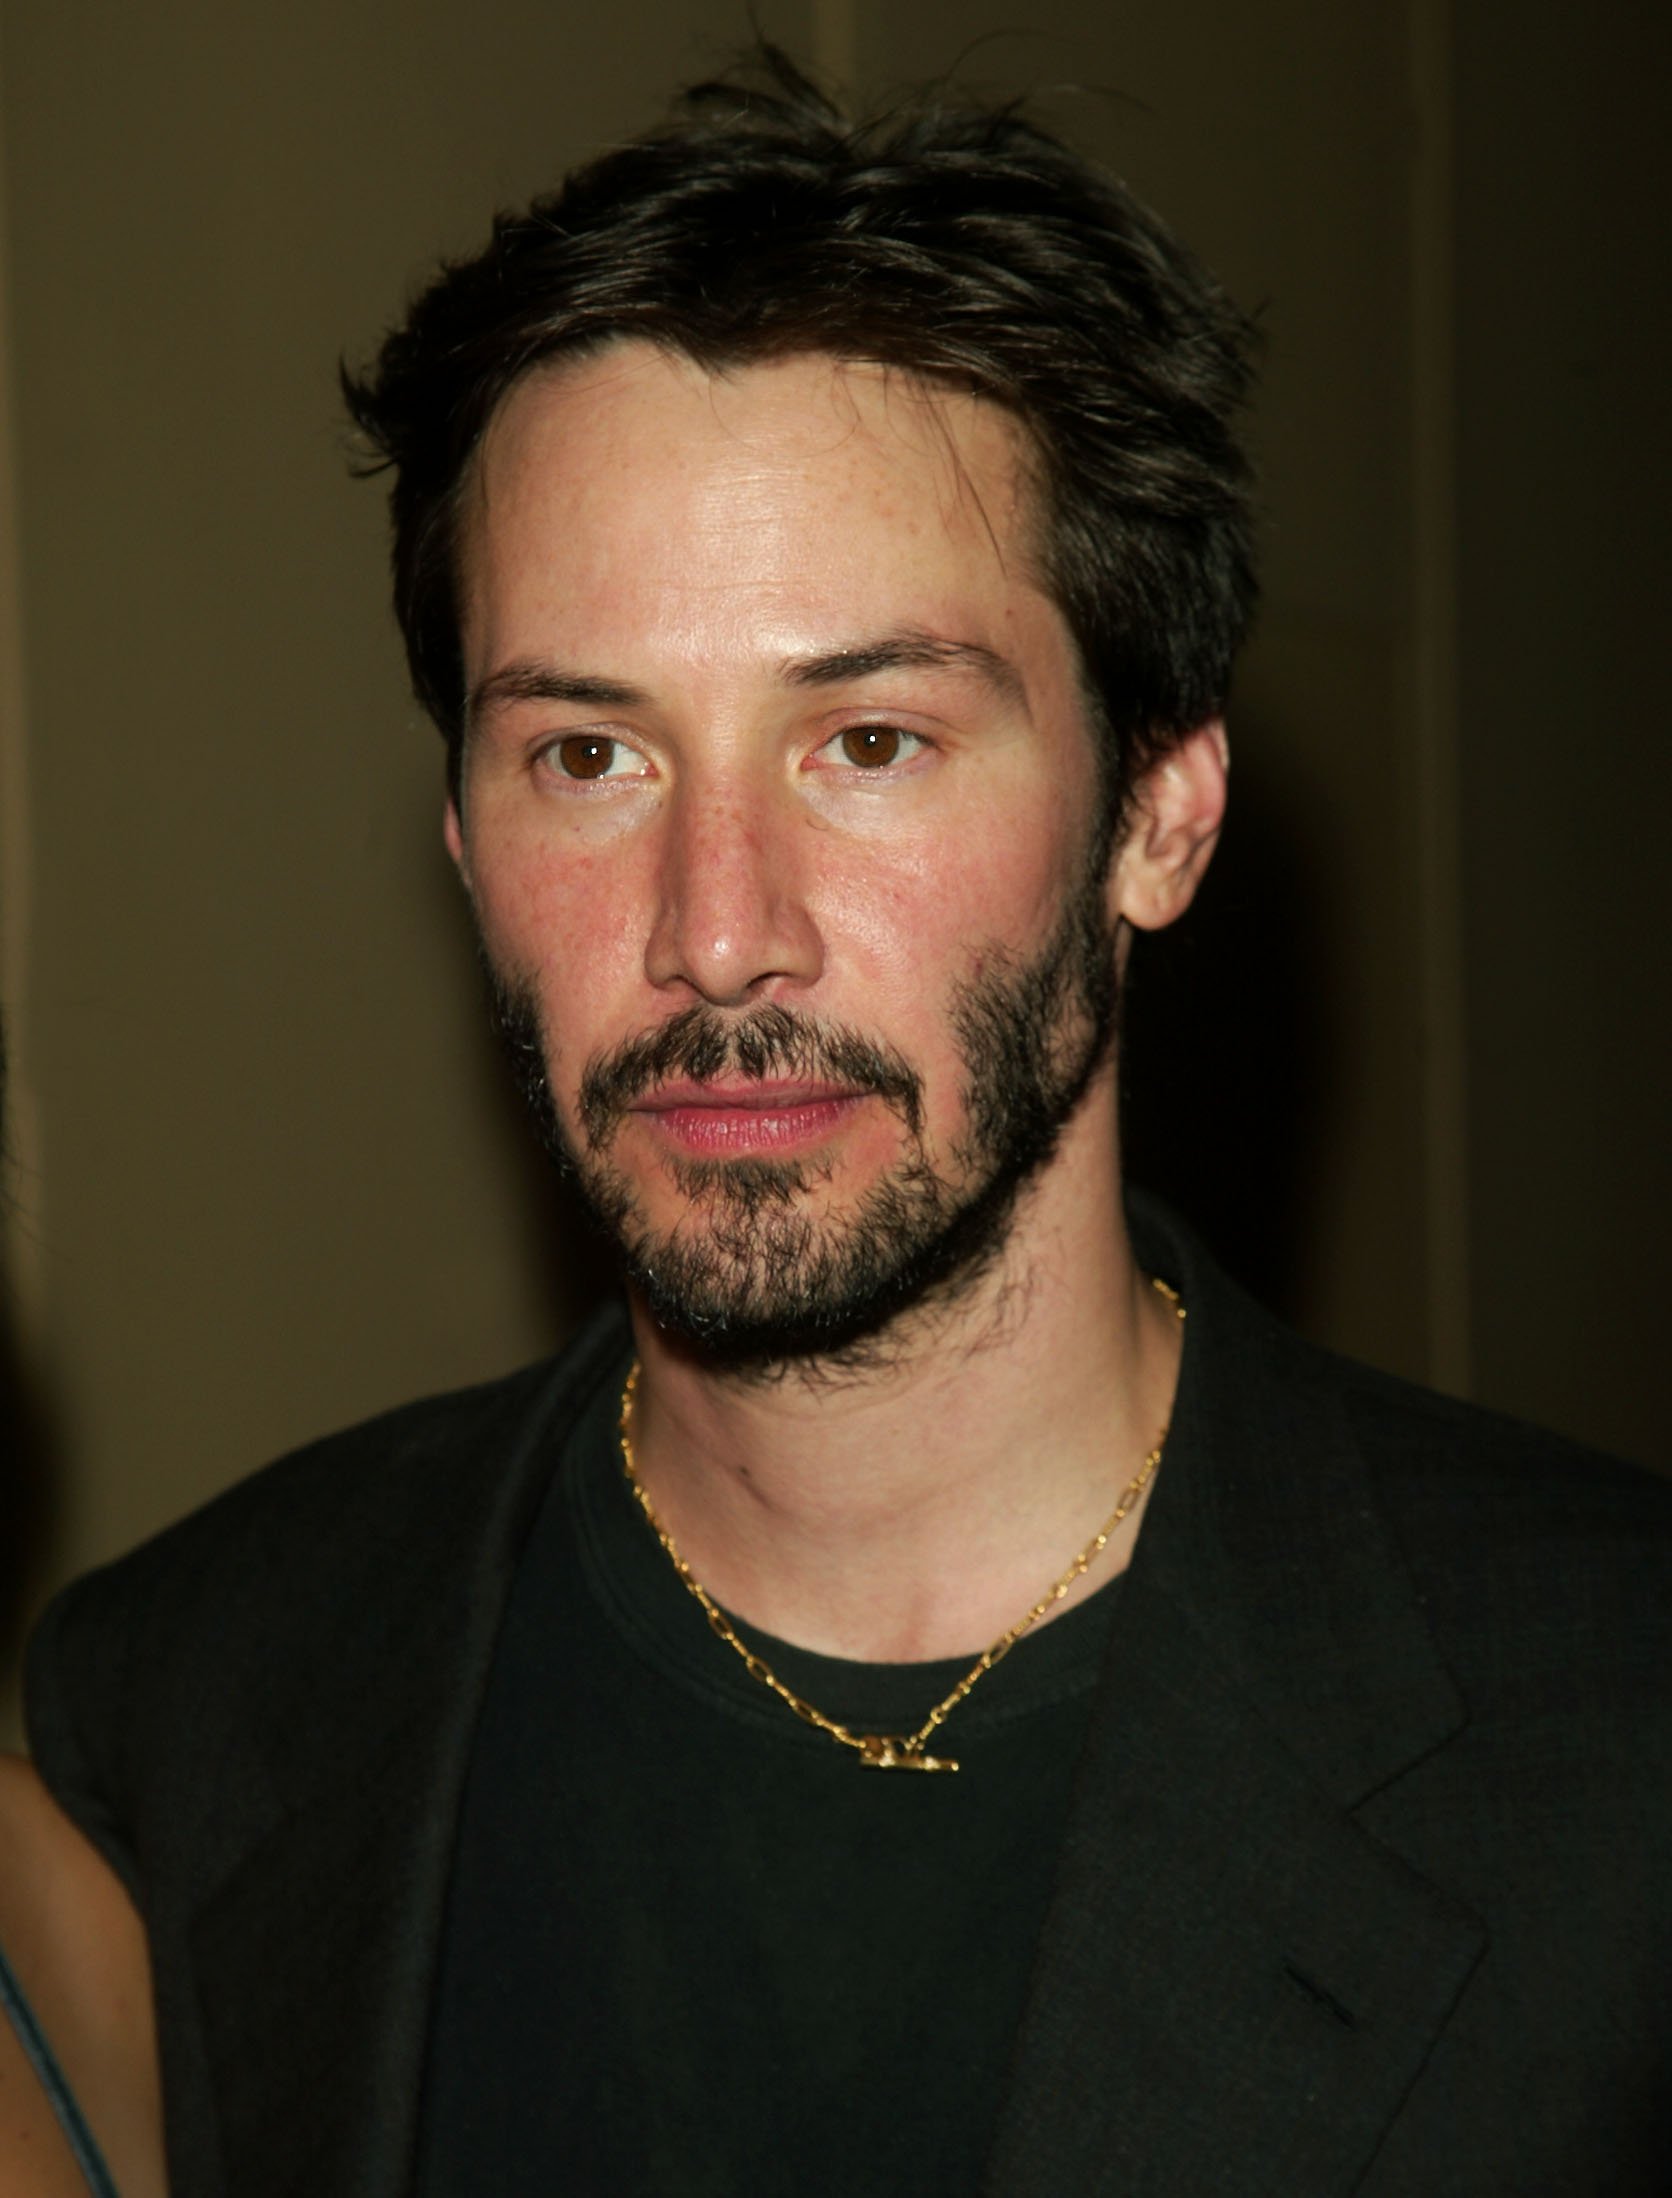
x,y
1365,1888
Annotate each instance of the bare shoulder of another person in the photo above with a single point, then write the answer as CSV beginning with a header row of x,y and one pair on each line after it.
x,y
76,1948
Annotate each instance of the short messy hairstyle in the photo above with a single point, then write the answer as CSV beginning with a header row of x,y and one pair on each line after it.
x,y
961,245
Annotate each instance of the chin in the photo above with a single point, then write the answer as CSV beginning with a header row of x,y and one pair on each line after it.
x,y
770,1284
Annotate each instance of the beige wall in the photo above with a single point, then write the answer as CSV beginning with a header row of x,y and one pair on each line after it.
x,y
1564,482
268,1180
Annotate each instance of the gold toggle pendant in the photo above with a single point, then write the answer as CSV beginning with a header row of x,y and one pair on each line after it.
x,y
883,1754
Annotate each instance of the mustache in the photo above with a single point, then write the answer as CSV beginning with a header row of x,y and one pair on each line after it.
x,y
703,1043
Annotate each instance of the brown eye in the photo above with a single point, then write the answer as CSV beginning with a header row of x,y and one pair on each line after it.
x,y
584,755
871,745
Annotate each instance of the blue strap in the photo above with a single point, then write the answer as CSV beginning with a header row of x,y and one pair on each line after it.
x,y
33,2040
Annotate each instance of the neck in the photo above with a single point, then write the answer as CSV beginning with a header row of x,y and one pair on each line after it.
x,y
913,1508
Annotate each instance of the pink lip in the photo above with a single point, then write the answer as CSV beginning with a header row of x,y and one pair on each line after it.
x,y
748,1117
755,1093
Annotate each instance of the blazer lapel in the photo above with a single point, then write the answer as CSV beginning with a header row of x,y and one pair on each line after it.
x,y
1236,1984
314,1958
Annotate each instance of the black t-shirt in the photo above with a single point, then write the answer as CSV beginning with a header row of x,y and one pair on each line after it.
x,y
693,1945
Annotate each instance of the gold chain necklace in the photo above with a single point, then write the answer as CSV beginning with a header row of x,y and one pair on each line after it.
x,y
877,1750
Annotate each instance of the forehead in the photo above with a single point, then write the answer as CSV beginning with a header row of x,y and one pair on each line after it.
x,y
804,489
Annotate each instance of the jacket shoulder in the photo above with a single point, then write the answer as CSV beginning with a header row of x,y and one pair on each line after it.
x,y
1544,1567
1438,1458
312,1570
378,1478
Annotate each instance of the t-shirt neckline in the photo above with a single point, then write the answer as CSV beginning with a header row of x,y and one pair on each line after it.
x,y
639,1593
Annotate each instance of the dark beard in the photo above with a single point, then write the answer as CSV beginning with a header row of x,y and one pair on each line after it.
x,y
758,1281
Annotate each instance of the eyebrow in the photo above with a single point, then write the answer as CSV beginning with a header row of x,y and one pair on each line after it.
x,y
529,680
909,650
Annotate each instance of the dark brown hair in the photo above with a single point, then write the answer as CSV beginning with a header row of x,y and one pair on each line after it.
x,y
962,245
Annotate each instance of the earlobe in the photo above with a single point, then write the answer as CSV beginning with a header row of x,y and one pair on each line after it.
x,y
452,832
1177,810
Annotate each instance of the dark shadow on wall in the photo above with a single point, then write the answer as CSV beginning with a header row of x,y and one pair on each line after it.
x,y
1227,1053
578,1269
28,1454
28,1488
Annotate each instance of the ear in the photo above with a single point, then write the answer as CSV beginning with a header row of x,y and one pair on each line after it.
x,y
1177,809
452,832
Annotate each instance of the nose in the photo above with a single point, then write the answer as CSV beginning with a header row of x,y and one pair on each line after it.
x,y
732,921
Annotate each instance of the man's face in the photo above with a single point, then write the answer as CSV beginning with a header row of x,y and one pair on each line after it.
x,y
780,818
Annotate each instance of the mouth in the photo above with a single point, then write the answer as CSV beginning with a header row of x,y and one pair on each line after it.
x,y
748,1116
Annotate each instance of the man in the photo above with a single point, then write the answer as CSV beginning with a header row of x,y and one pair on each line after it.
x,y
946,1695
